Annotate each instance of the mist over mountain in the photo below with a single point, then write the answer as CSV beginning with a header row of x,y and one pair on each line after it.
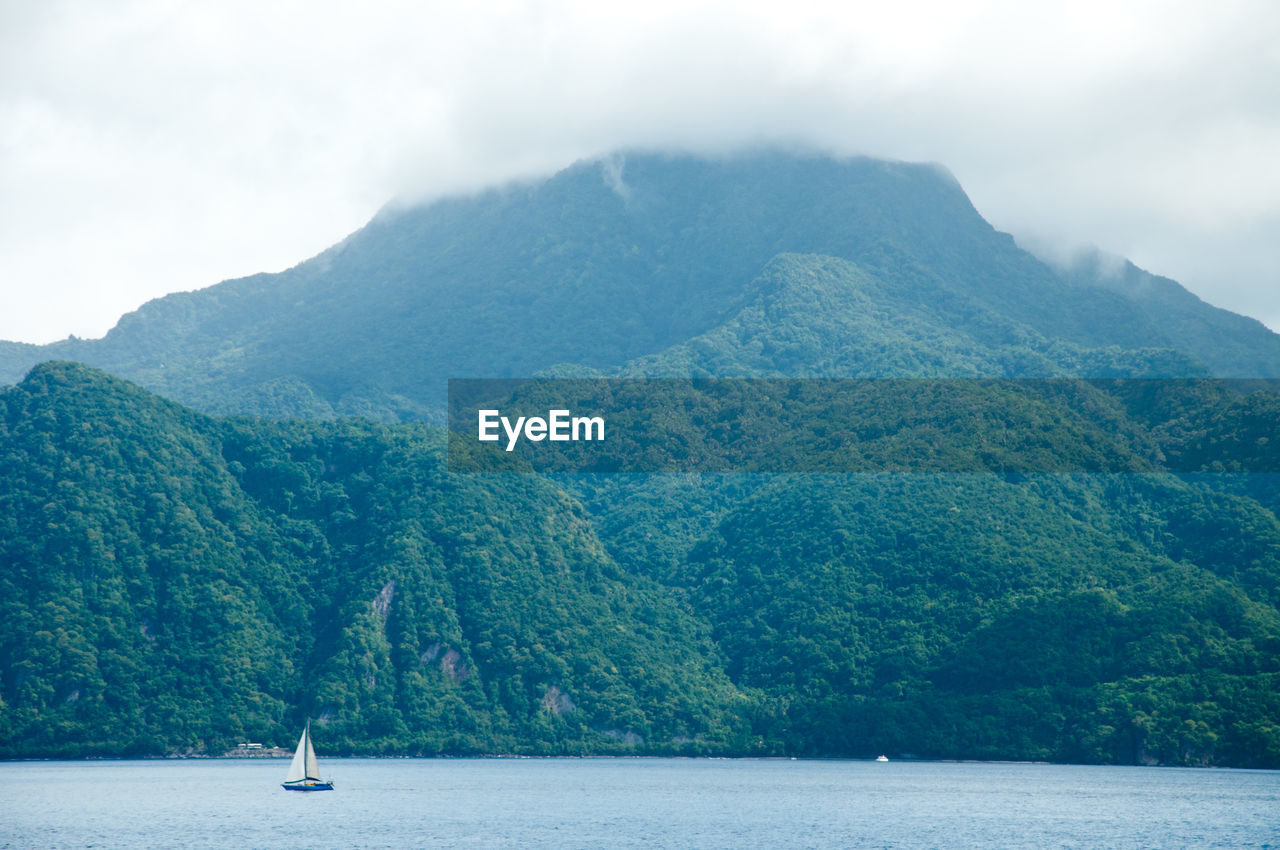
x,y
635,262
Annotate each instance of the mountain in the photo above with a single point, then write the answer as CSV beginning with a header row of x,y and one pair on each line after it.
x,y
172,583
987,616
801,264
173,579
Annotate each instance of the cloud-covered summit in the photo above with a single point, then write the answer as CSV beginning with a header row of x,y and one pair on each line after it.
x,y
151,149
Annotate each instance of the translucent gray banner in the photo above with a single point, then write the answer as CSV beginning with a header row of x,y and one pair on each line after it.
x,y
571,425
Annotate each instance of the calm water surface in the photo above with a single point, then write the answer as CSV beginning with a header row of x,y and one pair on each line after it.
x,y
633,803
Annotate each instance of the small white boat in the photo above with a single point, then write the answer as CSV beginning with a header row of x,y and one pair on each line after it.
x,y
882,758
304,770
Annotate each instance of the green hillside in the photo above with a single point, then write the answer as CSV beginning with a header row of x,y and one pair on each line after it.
x,y
977,617
174,583
816,315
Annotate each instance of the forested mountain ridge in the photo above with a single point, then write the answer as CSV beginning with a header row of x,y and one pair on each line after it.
x,y
821,316
616,260
173,583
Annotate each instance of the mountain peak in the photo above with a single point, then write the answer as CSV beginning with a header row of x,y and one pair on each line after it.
x,y
625,256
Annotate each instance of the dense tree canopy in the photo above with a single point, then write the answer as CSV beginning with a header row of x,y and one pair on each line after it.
x,y
175,583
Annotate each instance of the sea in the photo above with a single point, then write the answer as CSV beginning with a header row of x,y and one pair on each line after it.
x,y
624,803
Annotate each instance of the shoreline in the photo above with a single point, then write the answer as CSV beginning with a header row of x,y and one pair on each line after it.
x,y
283,753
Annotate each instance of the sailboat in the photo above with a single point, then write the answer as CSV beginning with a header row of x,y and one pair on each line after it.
x,y
304,770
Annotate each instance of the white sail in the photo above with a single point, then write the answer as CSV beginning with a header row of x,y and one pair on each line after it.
x,y
304,758
313,768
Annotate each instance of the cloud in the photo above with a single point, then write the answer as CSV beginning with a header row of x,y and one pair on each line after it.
x,y
149,147
612,170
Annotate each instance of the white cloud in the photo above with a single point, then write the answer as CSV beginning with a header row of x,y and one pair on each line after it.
x,y
148,147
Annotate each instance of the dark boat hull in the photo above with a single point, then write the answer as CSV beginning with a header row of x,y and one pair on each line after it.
x,y
307,786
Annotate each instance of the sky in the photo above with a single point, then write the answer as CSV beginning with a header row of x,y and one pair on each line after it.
x,y
149,147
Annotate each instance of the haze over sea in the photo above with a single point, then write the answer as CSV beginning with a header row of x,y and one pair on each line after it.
x,y
634,803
